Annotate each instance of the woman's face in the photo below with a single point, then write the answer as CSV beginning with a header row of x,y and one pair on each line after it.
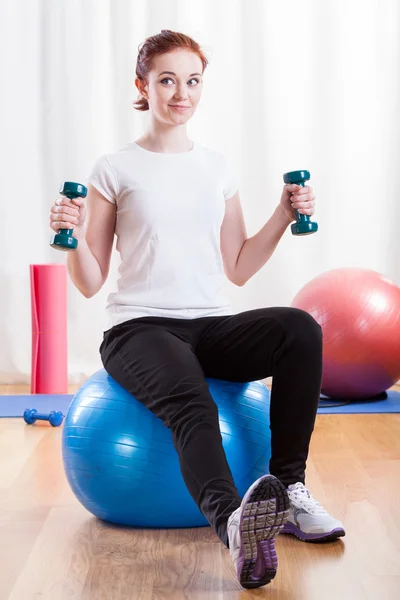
x,y
181,84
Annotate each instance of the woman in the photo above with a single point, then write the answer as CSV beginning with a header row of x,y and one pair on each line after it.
x,y
175,208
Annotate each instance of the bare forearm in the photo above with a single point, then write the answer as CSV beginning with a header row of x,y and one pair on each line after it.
x,y
83,269
257,249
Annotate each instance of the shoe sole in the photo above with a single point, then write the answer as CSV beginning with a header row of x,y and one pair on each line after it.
x,y
265,511
329,536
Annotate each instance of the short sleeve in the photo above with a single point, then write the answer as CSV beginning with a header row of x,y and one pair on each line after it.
x,y
103,178
231,183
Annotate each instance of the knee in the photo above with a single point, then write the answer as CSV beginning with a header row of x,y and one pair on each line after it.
x,y
302,328
194,411
195,419
307,328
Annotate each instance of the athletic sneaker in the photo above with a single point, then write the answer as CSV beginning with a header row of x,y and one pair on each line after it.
x,y
252,529
308,520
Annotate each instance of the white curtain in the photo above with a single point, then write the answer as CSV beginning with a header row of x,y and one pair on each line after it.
x,y
292,84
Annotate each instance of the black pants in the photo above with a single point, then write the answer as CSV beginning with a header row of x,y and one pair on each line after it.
x,y
163,362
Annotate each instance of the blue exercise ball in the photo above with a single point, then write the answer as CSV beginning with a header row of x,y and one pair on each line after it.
x,y
121,463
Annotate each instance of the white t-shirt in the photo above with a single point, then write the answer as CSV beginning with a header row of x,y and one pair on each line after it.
x,y
170,208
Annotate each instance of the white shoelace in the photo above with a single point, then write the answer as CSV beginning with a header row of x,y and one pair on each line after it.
x,y
300,494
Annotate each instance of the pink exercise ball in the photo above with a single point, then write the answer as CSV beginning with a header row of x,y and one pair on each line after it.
x,y
359,312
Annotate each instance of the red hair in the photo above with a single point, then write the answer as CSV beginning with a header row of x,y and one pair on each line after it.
x,y
159,44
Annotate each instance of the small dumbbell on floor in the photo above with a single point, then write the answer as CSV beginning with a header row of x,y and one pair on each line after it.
x,y
31,415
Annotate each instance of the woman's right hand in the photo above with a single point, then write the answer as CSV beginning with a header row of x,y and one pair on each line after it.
x,y
68,213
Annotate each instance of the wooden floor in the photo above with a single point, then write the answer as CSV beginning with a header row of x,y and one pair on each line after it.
x,y
51,548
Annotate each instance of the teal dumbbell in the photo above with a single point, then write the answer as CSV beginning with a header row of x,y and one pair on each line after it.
x,y
303,225
63,240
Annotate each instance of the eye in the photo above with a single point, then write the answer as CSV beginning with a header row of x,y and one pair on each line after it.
x,y
169,79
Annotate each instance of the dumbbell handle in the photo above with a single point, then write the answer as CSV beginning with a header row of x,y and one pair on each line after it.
x,y
55,418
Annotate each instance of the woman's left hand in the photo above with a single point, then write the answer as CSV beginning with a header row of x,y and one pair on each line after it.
x,y
296,197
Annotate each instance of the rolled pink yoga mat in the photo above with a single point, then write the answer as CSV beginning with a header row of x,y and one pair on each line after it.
x,y
49,373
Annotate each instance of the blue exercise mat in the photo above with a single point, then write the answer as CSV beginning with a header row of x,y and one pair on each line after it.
x,y
14,406
391,404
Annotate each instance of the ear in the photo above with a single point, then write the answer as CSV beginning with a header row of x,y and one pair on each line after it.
x,y
141,87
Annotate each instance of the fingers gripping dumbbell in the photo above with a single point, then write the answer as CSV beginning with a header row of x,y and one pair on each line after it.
x,y
63,240
31,415
303,225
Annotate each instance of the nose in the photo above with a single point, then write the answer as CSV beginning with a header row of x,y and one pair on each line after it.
x,y
181,93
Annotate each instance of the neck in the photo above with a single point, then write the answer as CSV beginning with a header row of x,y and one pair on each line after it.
x,y
164,138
